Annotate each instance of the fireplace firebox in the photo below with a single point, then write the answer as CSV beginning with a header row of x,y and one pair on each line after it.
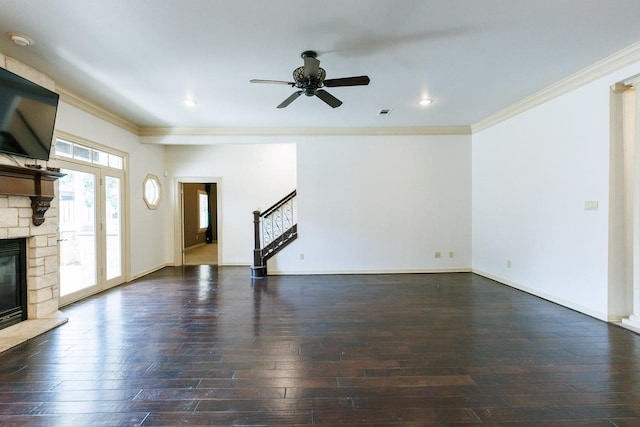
x,y
13,282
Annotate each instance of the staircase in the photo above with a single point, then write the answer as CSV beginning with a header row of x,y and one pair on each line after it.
x,y
273,229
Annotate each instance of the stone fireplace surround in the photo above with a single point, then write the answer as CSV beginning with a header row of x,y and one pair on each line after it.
x,y
42,244
42,268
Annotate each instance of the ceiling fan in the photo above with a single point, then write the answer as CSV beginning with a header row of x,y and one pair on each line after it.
x,y
310,79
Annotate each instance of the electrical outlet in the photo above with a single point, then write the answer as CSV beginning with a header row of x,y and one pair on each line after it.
x,y
451,254
508,263
438,254
591,205
301,256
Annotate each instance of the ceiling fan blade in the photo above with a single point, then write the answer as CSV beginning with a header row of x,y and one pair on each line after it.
x,y
311,67
290,99
348,81
275,82
328,98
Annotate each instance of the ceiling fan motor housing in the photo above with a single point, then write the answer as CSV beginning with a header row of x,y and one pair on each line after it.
x,y
301,80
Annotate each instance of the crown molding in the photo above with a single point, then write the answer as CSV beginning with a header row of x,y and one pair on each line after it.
x,y
632,81
305,131
93,109
88,107
606,66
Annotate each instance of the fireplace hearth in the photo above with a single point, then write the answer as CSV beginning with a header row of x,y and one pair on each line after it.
x,y
13,282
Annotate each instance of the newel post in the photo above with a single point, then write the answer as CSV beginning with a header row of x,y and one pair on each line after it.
x,y
257,269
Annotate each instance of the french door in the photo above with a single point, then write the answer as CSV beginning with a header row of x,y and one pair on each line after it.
x,y
91,240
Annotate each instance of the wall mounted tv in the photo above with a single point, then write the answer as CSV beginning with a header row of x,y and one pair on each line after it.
x,y
27,117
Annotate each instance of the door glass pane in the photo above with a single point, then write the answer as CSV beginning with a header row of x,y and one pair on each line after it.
x,y
112,221
77,231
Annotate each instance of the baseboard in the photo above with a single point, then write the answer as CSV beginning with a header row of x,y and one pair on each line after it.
x,y
627,327
149,271
548,297
616,318
337,272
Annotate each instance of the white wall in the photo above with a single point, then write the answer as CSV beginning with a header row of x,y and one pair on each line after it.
x,y
249,177
381,204
147,242
512,193
366,204
531,177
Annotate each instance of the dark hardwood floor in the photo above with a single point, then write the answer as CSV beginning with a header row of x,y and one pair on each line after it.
x,y
201,345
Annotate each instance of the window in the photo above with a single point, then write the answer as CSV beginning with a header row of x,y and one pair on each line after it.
x,y
203,217
151,191
87,154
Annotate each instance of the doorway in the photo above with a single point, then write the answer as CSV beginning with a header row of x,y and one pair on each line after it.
x,y
91,224
199,223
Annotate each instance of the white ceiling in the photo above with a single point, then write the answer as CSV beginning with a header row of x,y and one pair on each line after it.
x,y
139,59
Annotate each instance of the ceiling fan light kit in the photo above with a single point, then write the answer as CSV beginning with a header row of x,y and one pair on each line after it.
x,y
310,79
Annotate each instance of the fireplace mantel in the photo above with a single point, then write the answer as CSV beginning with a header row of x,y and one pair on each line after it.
x,y
33,182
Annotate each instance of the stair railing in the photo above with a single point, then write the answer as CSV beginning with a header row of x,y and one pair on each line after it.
x,y
273,229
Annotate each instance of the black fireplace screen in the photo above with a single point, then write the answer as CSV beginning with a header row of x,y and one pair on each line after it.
x,y
13,298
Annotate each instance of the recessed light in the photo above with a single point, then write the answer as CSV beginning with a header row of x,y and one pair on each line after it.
x,y
189,102
425,101
20,40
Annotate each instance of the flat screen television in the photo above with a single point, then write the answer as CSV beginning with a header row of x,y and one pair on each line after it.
x,y
27,117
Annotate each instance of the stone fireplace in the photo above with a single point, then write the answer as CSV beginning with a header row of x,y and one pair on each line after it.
x,y
17,221
20,211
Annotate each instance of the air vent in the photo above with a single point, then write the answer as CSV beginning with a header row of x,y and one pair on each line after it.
x,y
384,112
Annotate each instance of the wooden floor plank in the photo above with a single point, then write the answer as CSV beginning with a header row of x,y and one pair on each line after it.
x,y
206,345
